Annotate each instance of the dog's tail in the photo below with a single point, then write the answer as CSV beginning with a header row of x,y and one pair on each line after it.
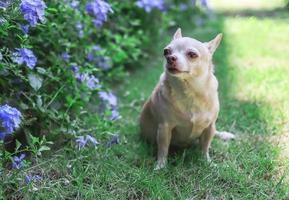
x,y
225,136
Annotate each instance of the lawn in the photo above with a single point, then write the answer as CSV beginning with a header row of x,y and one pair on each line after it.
x,y
251,65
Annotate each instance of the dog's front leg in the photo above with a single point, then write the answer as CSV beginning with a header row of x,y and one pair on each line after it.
x,y
163,141
205,140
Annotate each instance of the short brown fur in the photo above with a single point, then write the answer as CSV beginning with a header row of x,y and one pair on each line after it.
x,y
184,105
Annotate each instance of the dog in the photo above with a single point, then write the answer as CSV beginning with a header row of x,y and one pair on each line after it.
x,y
184,105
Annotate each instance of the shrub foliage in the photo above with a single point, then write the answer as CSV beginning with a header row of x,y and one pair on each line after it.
x,y
58,60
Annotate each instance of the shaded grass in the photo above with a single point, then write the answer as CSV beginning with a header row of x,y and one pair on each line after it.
x,y
254,97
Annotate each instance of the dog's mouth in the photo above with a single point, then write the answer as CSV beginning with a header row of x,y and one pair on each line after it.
x,y
173,70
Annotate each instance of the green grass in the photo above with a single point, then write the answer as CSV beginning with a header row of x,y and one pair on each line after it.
x,y
252,69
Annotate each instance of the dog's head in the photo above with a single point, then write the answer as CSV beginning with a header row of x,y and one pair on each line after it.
x,y
187,57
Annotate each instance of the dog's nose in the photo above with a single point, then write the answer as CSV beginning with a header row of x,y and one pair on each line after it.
x,y
171,59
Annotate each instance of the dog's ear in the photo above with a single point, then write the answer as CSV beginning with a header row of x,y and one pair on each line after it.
x,y
214,43
178,34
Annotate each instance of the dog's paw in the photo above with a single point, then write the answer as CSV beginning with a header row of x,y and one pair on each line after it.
x,y
208,160
226,136
160,165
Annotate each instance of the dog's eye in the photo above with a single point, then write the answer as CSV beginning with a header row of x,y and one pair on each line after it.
x,y
167,51
192,54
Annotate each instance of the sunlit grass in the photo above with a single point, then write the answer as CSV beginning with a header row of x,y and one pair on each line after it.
x,y
235,5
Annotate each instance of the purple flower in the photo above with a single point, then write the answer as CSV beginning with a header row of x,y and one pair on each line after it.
x,y
74,4
99,10
65,56
32,11
148,5
111,103
113,140
78,25
90,57
74,68
17,162
24,29
91,139
96,48
204,3
29,178
23,55
10,119
79,29
79,76
92,83
81,142
2,135
103,63
114,114
4,4
37,178
108,97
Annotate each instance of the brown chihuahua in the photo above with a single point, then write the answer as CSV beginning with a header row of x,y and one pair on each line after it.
x,y
184,105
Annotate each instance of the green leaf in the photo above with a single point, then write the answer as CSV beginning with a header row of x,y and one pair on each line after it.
x,y
35,140
44,148
39,101
35,81
18,145
41,70
52,10
23,106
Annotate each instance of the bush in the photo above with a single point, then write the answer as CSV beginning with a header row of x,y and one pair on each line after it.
x,y
58,60
71,52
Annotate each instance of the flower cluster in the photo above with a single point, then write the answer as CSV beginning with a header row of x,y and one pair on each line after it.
x,y
74,4
4,4
82,141
148,5
204,3
65,56
10,119
101,62
79,29
53,103
99,10
32,178
111,103
23,55
91,81
32,11
17,161
90,55
24,29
